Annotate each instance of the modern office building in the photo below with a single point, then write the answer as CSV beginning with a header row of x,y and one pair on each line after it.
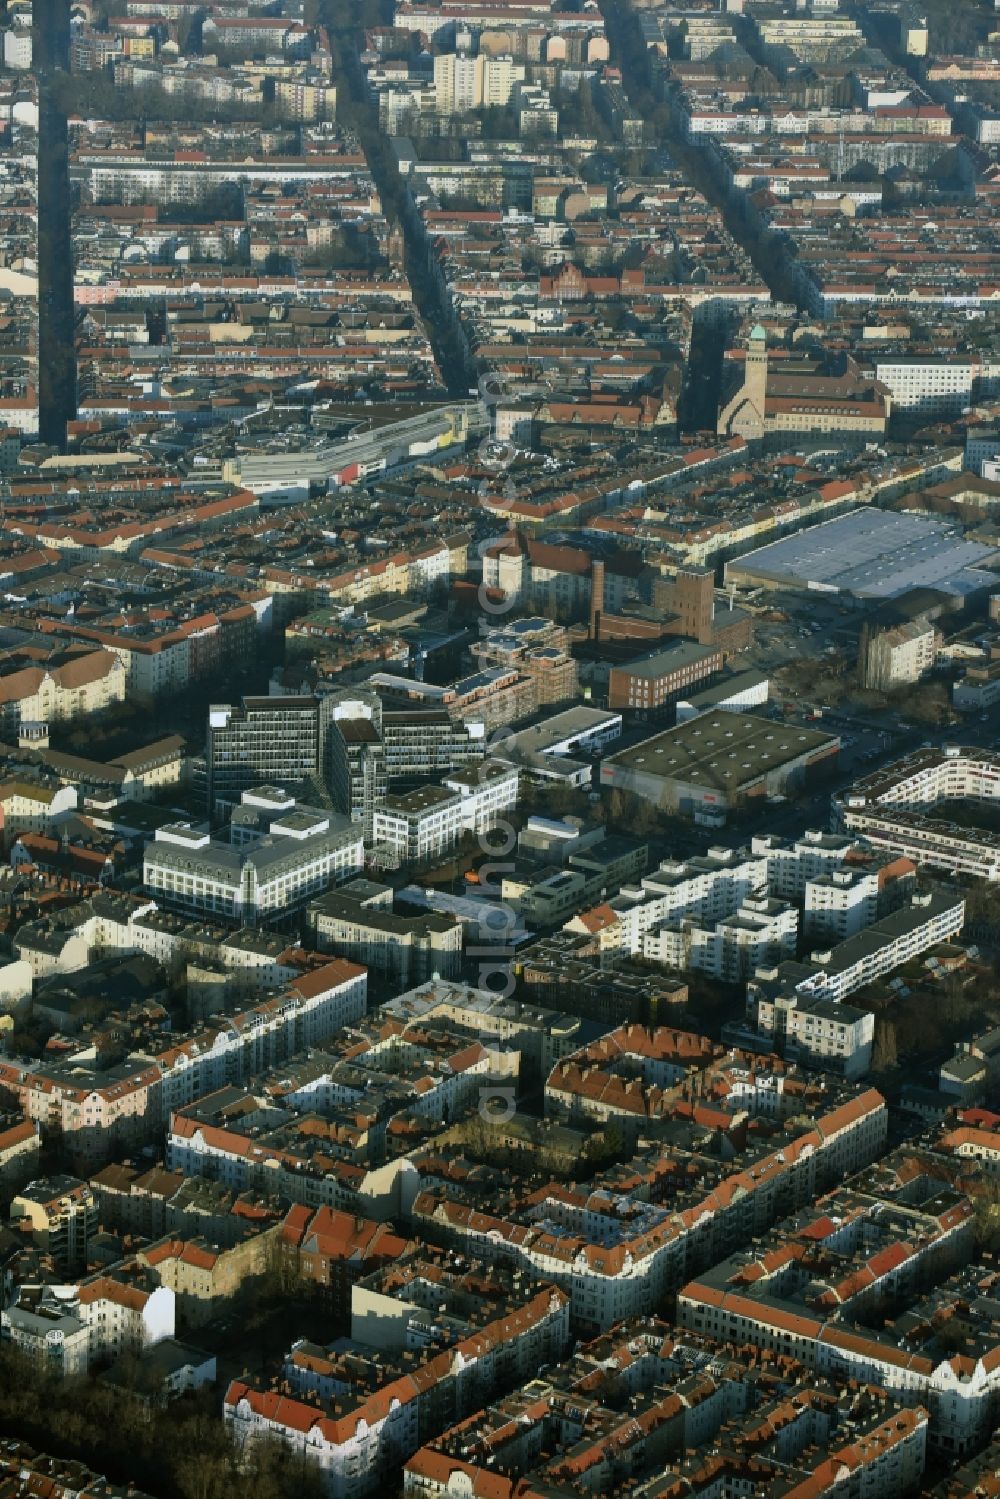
x,y
355,766
346,741
273,739
258,877
422,742
429,821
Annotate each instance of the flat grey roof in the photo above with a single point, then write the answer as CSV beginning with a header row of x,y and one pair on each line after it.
x,y
220,860
719,692
874,554
721,749
673,658
565,725
421,799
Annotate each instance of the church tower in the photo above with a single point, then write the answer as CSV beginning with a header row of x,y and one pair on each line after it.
x,y
745,414
755,381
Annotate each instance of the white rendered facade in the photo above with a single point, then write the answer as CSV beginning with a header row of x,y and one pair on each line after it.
x,y
427,823
760,931
300,857
900,809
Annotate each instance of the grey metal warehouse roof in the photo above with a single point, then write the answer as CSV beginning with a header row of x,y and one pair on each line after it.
x,y
875,554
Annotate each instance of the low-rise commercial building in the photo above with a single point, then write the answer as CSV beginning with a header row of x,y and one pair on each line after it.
x,y
718,761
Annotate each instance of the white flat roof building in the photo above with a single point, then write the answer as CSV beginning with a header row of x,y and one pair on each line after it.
x,y
428,822
572,732
904,808
257,876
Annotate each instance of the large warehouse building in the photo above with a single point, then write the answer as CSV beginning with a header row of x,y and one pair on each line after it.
x,y
871,554
713,763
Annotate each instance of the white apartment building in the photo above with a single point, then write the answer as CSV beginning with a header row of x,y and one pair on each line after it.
x,y
761,931
20,1147
705,34
428,822
92,1108
978,688
70,1327
17,48
355,1448
834,973
939,775
173,183
303,852
706,888
941,387
721,122
487,790
790,866
840,903
961,1400
86,683
541,1036
398,103
802,1002
982,448
611,1276
363,927
314,1005
418,825
891,942
898,809
241,1164
463,83
27,806
536,114
440,22
891,657
111,924
811,38
817,1031
935,843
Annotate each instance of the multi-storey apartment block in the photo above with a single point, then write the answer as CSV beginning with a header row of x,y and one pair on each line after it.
x,y
903,808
